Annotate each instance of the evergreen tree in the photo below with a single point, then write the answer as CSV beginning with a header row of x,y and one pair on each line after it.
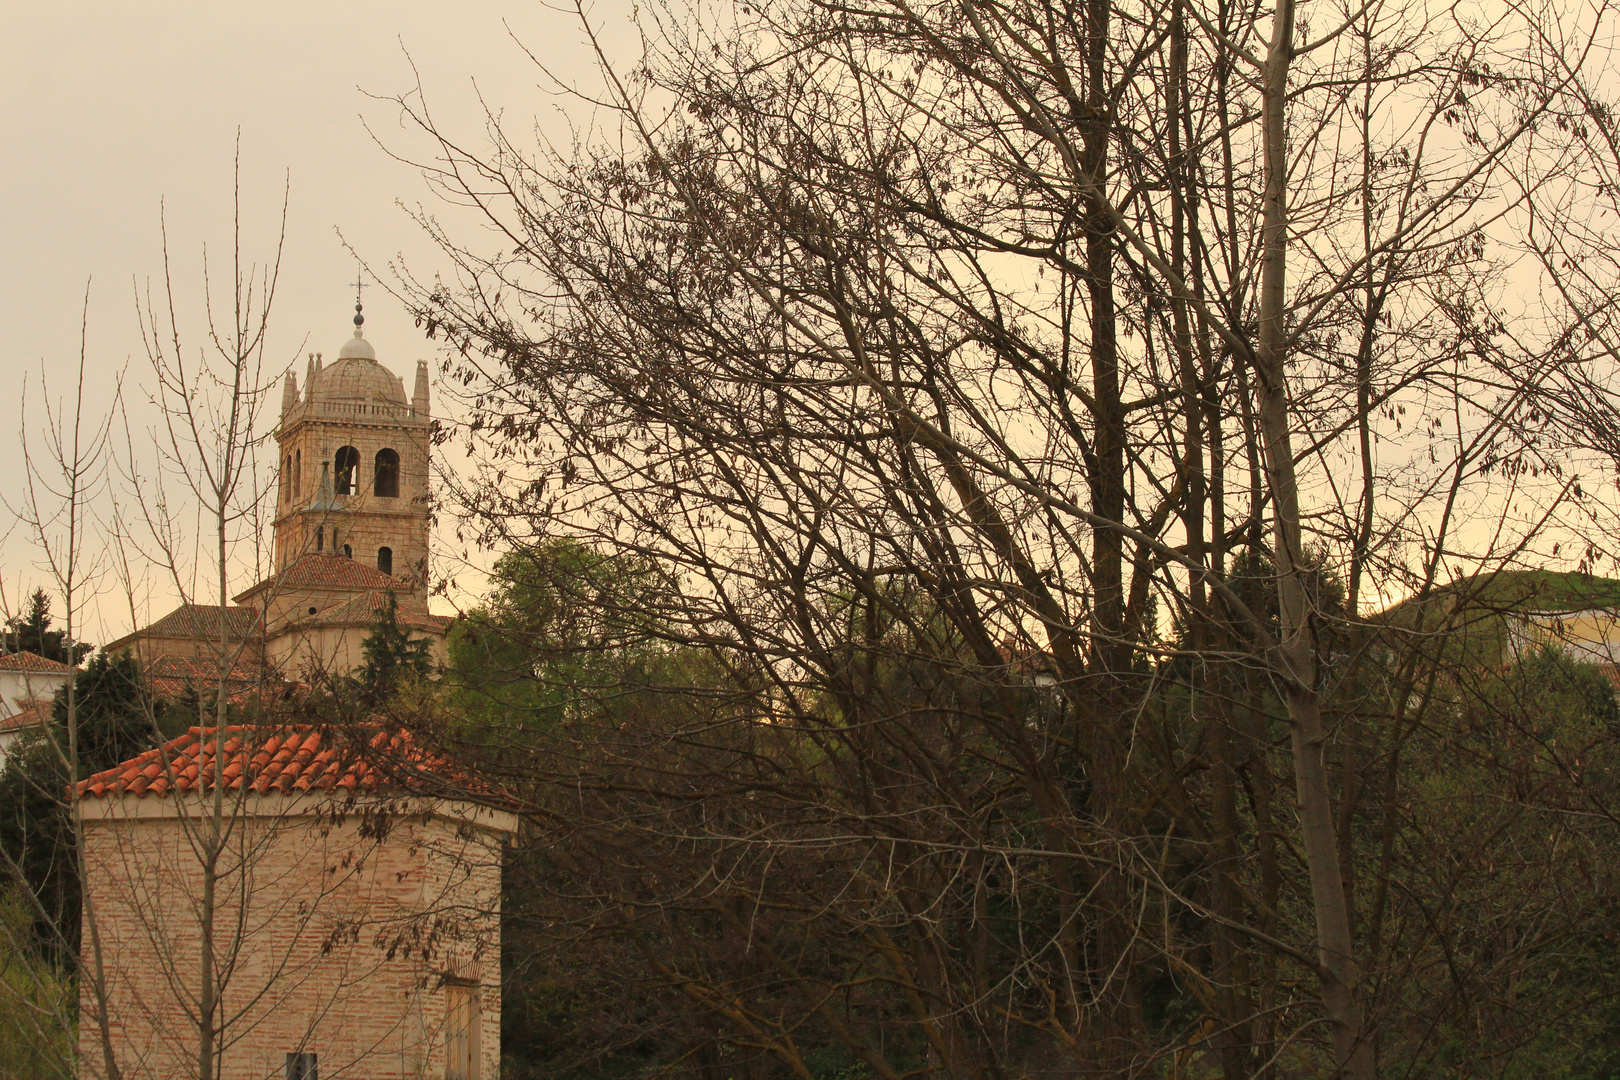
x,y
36,825
115,722
391,656
31,632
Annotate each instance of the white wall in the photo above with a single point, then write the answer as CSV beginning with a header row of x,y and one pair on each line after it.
x,y
19,687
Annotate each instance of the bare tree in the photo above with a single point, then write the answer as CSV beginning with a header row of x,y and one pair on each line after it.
x,y
63,475
209,402
926,350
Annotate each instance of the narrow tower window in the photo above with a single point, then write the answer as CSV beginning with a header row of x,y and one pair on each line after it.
x,y
385,560
320,538
387,475
346,470
348,552
298,467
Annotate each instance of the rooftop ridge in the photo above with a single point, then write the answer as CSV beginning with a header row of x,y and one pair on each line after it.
x,y
326,569
287,758
23,660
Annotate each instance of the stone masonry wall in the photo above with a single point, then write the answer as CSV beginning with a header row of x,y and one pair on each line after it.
x,y
365,521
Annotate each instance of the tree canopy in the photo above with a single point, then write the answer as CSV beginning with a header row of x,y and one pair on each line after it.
x,y
31,631
390,656
1026,405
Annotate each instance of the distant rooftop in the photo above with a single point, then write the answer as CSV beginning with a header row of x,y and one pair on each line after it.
x,y
27,661
33,714
196,621
325,570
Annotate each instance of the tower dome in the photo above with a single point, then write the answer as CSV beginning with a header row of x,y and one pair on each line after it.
x,y
357,348
356,376
358,379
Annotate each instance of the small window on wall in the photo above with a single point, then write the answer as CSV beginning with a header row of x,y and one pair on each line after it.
x,y
301,1065
298,467
348,552
385,560
320,538
346,470
462,1013
386,485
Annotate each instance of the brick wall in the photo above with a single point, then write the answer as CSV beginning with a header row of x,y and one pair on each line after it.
x,y
337,927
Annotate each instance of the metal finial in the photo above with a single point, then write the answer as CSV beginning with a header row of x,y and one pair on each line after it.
x,y
359,283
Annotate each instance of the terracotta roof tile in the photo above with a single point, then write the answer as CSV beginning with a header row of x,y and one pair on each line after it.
x,y
196,621
199,669
324,570
236,693
27,661
283,759
169,677
33,714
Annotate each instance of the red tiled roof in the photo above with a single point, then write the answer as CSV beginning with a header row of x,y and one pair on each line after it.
x,y
324,570
32,714
1610,672
236,693
27,661
200,669
279,760
169,677
197,621
366,610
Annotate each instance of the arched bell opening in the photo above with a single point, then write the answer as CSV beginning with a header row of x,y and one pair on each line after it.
x,y
385,483
346,470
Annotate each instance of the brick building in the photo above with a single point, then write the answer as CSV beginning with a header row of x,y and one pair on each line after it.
x,y
356,912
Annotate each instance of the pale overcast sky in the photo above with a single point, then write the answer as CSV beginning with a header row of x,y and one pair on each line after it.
x,y
112,108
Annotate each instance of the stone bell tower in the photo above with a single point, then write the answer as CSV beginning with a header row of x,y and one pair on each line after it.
x,y
354,464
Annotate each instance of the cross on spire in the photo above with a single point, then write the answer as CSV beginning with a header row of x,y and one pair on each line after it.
x,y
359,283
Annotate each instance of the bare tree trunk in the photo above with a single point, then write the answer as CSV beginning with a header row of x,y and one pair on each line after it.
x,y
1298,646
213,842
209,412
69,580
77,461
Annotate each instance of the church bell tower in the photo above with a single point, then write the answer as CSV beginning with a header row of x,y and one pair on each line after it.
x,y
354,464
